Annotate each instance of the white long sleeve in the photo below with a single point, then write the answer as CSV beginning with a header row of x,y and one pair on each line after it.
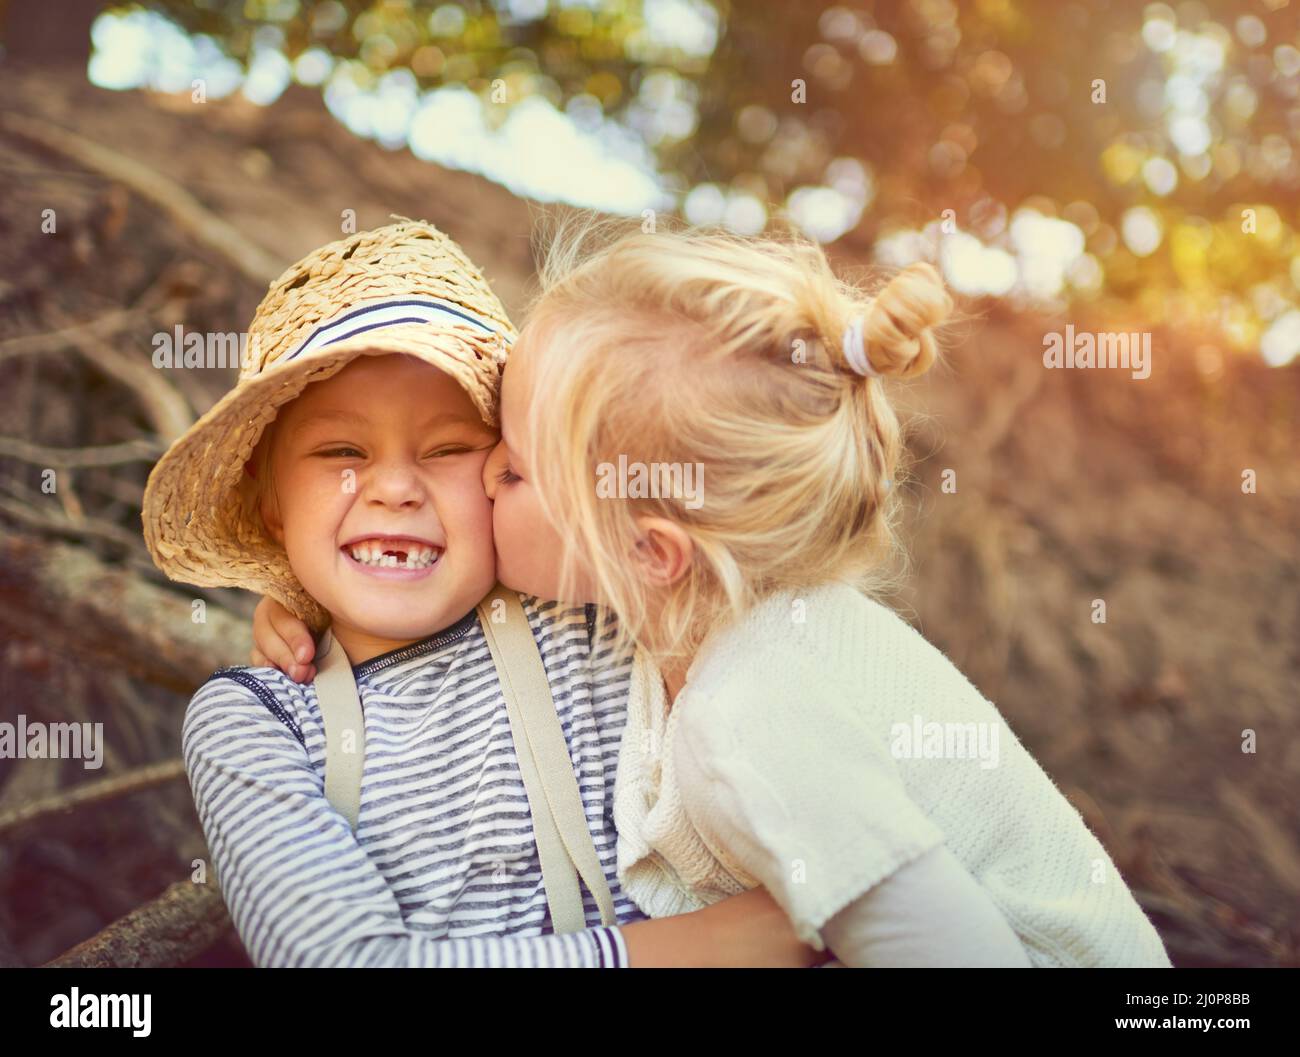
x,y
821,745
928,913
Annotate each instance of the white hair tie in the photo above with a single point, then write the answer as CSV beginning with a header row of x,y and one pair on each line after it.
x,y
855,352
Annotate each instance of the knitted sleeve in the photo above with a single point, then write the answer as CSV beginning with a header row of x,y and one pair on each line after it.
x,y
826,752
300,888
794,791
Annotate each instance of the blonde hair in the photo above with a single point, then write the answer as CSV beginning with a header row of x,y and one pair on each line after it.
x,y
701,347
257,485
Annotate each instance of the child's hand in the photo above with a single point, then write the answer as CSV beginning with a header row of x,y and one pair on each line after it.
x,y
281,640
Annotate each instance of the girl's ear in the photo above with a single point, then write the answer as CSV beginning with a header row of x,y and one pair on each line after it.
x,y
664,552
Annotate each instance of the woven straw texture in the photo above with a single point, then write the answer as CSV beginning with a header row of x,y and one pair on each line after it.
x,y
200,515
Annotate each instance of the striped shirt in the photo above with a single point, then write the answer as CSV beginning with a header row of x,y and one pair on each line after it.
x,y
443,868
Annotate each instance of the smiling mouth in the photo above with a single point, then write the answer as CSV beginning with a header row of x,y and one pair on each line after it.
x,y
393,553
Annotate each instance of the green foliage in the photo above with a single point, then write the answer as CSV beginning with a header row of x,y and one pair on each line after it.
x,y
1081,111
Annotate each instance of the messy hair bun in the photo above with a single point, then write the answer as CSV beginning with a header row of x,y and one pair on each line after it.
x,y
698,347
894,328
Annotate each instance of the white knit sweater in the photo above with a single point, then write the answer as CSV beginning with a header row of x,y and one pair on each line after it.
x,y
790,760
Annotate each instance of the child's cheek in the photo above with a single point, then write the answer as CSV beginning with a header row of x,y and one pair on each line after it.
x,y
333,490
317,504
464,499
515,536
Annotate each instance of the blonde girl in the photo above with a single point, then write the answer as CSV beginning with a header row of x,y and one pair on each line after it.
x,y
785,728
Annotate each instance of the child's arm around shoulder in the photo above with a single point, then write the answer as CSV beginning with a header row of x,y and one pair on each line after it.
x,y
300,888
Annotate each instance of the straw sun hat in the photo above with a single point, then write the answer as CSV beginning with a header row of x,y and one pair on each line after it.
x,y
404,288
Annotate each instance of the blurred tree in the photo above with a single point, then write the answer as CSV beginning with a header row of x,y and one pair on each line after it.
x,y
1150,152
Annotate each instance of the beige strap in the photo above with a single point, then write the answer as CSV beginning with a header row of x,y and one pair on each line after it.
x,y
340,707
564,842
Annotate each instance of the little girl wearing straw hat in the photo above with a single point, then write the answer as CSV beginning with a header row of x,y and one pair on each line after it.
x,y
343,477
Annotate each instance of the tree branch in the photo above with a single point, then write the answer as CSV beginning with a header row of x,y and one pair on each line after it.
x,y
205,226
61,524
180,924
87,609
167,409
101,326
139,450
88,793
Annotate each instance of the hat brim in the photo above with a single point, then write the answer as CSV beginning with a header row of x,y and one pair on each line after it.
x,y
200,516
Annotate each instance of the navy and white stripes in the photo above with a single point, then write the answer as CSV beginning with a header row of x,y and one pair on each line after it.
x,y
443,868
380,314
